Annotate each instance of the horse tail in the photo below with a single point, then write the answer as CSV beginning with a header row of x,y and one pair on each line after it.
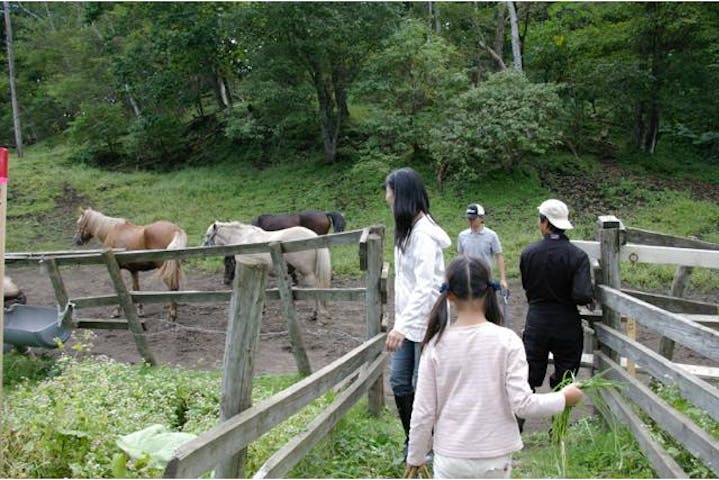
x,y
171,270
323,267
338,221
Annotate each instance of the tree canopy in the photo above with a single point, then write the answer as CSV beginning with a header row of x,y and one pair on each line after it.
x,y
147,84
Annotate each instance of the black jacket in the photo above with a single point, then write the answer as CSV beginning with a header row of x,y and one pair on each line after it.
x,y
555,272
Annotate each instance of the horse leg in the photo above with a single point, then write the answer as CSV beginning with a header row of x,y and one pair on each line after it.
x,y
310,280
136,288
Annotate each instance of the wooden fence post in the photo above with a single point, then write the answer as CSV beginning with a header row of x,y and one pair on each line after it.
x,y
609,244
58,286
284,285
373,309
679,288
133,322
243,334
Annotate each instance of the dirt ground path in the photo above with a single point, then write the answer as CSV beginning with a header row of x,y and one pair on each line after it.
x,y
197,340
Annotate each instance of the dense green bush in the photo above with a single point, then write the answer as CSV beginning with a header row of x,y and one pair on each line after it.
x,y
495,125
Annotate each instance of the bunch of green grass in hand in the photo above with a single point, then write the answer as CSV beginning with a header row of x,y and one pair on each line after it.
x,y
560,423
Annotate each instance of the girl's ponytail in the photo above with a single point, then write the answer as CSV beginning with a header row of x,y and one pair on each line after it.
x,y
493,313
437,317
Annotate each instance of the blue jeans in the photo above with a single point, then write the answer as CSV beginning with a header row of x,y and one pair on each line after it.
x,y
403,368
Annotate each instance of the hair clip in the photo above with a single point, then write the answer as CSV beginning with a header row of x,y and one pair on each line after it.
x,y
495,285
444,287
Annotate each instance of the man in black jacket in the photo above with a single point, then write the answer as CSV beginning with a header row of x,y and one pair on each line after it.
x,y
556,278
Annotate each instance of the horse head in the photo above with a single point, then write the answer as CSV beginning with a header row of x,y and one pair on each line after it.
x,y
209,239
82,234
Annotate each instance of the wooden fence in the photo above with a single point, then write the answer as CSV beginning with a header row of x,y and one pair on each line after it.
x,y
223,447
688,324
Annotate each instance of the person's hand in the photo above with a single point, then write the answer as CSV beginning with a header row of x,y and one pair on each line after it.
x,y
394,340
572,394
591,306
505,286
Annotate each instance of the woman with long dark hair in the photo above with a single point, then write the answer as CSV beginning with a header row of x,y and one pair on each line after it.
x,y
419,269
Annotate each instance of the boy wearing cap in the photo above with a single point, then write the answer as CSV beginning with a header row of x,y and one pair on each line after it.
x,y
556,278
481,241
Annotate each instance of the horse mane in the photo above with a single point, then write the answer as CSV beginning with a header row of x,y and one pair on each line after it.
x,y
98,223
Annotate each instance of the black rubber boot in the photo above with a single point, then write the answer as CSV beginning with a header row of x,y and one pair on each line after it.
x,y
404,408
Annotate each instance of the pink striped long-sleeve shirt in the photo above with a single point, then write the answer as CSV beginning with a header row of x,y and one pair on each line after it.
x,y
469,386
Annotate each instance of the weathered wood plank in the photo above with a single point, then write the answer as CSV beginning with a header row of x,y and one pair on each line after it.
x,y
689,257
708,320
700,443
113,269
89,257
674,304
284,286
373,312
363,249
60,292
104,324
697,391
609,242
663,464
238,366
648,237
679,287
201,454
383,282
699,338
293,451
591,248
298,293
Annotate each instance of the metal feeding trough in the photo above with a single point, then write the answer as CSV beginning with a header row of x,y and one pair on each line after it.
x,y
30,326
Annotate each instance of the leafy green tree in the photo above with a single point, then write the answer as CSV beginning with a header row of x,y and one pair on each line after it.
x,y
495,125
410,82
321,46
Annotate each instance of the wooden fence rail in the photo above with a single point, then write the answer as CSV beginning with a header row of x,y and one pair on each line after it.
x,y
701,339
80,257
202,453
694,389
700,443
677,325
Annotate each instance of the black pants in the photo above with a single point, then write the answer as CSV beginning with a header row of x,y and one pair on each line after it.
x,y
555,329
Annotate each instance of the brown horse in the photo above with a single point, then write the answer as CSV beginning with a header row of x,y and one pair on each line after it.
x,y
115,232
315,220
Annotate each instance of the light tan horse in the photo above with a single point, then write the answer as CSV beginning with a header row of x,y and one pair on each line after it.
x,y
313,265
115,232
11,292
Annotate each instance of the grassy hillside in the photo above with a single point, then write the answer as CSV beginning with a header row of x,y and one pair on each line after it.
x,y
45,191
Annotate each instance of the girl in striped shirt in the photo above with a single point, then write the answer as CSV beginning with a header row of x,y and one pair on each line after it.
x,y
472,381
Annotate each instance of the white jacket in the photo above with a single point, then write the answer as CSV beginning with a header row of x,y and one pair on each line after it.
x,y
419,272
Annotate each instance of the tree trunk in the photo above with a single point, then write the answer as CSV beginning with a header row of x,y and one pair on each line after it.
x,y
133,102
516,47
11,72
328,129
225,91
499,34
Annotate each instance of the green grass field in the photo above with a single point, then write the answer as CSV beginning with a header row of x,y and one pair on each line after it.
x,y
44,188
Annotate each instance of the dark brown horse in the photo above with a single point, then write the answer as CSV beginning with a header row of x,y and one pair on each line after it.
x,y
116,232
315,220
